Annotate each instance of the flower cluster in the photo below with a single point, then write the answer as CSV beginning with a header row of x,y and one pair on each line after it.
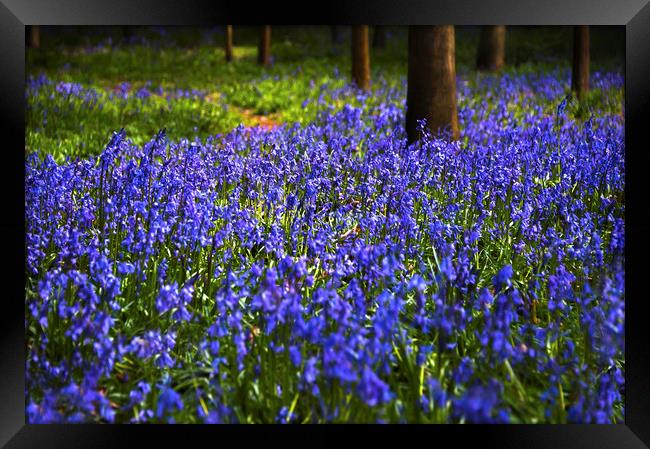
x,y
333,273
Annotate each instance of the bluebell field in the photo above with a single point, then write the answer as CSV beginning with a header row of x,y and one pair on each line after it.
x,y
330,272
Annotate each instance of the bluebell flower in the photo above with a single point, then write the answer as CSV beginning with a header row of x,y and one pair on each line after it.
x,y
503,278
168,400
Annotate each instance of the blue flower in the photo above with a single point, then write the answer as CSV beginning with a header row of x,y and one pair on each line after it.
x,y
168,400
503,278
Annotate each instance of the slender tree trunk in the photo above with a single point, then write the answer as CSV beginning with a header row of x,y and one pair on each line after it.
x,y
431,92
491,48
264,49
33,36
580,72
228,43
379,37
337,36
360,57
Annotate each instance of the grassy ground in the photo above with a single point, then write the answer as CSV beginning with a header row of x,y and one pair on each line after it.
x,y
178,77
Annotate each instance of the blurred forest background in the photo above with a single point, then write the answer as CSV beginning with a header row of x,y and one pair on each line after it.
x,y
194,91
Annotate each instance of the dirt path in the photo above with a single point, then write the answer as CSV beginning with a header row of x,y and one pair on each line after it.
x,y
251,119
267,122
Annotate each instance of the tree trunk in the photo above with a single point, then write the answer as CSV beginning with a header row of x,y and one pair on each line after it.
x,y
33,36
228,43
360,57
431,92
379,37
264,49
491,48
337,36
580,72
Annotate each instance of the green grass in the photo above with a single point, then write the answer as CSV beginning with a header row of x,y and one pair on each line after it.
x,y
240,92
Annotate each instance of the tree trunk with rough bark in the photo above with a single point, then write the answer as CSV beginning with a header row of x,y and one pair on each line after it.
x,y
264,49
431,92
34,36
360,57
580,72
379,37
228,43
491,48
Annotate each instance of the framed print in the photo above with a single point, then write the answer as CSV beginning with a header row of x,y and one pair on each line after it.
x,y
394,220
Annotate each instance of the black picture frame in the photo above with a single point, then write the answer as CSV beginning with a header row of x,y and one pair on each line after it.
x,y
15,14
